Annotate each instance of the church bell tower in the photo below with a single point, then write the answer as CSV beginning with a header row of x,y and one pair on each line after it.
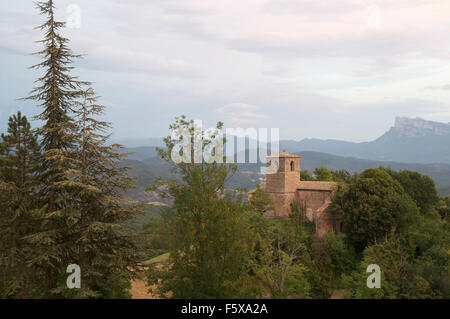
x,y
282,181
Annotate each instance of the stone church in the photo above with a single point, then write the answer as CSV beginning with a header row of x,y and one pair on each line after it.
x,y
285,186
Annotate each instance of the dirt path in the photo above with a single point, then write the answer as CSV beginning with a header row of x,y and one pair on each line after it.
x,y
139,290
337,294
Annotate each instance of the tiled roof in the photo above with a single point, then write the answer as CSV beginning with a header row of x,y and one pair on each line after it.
x,y
284,154
322,186
323,208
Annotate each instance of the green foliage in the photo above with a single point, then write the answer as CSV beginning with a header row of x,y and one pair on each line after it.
x,y
330,259
279,263
341,176
429,241
323,174
208,232
115,286
19,208
443,207
292,262
373,206
98,181
20,153
421,188
393,260
414,265
62,199
260,201
305,175
57,92
152,240
332,252
287,260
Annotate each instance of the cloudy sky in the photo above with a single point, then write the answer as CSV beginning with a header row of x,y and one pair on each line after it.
x,y
340,69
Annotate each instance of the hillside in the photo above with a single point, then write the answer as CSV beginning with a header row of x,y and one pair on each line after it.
x,y
141,153
408,141
248,175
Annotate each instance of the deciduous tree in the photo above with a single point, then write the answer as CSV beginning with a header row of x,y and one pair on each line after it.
x,y
209,234
373,206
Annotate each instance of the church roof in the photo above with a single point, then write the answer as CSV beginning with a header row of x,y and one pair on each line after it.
x,y
323,208
284,154
318,186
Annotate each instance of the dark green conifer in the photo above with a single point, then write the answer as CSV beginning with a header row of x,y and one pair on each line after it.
x,y
19,213
105,252
57,92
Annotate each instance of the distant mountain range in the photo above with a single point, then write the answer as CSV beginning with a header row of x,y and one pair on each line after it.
x,y
409,141
138,142
412,144
248,176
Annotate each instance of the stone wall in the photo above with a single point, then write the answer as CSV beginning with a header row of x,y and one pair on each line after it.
x,y
326,219
281,203
313,199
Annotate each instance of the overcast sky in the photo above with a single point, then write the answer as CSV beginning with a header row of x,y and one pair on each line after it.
x,y
313,68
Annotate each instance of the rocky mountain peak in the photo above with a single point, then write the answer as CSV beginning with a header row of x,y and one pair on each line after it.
x,y
420,127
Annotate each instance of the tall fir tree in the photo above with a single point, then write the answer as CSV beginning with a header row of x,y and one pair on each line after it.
x,y
57,94
105,251
82,181
19,215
